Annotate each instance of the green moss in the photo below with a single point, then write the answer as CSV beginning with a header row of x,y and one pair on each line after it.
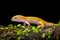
x,y
28,31
38,26
43,35
57,38
10,25
59,22
49,36
19,32
19,38
1,28
6,28
35,29
40,30
9,32
49,32
56,25
31,26
27,34
19,26
24,31
33,39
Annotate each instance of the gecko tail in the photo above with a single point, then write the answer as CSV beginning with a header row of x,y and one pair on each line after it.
x,y
49,24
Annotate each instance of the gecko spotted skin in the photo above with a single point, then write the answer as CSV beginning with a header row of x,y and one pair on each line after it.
x,y
31,20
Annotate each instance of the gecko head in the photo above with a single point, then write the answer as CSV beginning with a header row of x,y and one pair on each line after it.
x,y
17,18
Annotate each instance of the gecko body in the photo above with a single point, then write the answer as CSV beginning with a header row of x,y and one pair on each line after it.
x,y
31,20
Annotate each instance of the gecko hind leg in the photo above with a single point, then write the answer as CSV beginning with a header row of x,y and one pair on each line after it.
x,y
27,24
41,24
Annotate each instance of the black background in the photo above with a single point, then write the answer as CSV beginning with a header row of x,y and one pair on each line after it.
x,y
48,11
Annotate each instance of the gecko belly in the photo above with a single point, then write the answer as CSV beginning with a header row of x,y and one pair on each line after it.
x,y
33,22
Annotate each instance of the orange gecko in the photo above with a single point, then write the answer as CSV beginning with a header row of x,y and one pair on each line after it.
x,y
31,20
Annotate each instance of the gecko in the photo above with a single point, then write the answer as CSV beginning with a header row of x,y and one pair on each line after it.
x,y
31,20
